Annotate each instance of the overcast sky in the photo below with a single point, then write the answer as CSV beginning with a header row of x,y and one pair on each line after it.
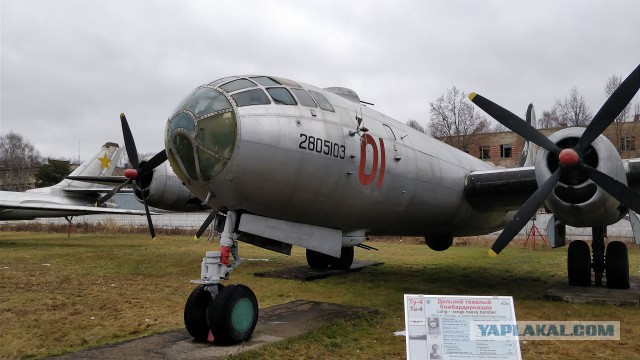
x,y
70,67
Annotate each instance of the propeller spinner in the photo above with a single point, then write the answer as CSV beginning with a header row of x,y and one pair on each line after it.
x,y
568,158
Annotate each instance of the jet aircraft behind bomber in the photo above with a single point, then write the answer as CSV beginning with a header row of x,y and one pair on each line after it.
x,y
285,163
69,197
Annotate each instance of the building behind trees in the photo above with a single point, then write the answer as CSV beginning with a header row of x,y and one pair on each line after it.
x,y
504,148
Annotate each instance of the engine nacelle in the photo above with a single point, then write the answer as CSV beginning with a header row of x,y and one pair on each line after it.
x,y
577,200
164,190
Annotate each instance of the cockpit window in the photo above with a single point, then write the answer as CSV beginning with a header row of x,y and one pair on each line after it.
x,y
184,148
281,96
237,85
182,104
251,97
322,101
304,98
221,81
265,81
182,120
287,82
206,100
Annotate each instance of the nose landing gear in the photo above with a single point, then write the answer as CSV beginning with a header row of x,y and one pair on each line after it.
x,y
213,312
195,310
233,314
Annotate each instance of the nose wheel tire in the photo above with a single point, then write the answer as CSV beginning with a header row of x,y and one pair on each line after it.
x,y
617,265
233,314
579,263
195,312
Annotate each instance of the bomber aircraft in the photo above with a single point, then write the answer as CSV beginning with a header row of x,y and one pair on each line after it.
x,y
69,197
285,163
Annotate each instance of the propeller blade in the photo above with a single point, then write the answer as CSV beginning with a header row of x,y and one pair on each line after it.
x,y
206,224
129,143
151,230
525,213
154,162
132,152
611,109
513,122
111,193
621,192
146,209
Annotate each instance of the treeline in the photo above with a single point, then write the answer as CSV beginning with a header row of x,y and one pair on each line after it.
x,y
454,118
20,161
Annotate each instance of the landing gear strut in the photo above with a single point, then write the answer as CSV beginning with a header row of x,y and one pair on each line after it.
x,y
597,246
213,312
612,263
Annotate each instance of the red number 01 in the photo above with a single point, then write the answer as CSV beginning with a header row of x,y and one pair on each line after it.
x,y
366,179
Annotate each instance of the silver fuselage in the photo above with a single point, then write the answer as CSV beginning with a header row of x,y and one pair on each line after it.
x,y
277,170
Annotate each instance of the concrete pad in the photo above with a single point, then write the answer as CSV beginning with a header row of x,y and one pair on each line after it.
x,y
596,295
305,273
274,324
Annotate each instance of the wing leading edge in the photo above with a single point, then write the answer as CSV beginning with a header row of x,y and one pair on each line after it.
x,y
71,209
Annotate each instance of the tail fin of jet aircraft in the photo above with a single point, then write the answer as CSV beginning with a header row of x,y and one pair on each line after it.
x,y
101,164
529,149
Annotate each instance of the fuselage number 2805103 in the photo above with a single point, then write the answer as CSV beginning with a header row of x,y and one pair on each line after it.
x,y
326,147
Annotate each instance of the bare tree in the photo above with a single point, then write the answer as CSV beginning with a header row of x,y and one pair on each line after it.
x,y
573,111
499,128
612,84
455,120
636,111
550,119
415,125
18,161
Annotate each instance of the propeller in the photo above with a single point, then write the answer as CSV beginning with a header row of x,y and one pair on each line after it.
x,y
135,174
569,158
205,224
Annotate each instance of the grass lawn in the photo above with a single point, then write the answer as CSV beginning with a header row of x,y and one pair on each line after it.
x,y
59,295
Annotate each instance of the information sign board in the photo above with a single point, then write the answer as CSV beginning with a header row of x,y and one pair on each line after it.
x,y
449,327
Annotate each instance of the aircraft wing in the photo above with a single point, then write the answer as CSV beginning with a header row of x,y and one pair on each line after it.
x,y
95,191
500,189
68,209
102,180
508,189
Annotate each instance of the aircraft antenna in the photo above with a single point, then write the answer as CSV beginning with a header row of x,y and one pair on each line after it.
x,y
360,127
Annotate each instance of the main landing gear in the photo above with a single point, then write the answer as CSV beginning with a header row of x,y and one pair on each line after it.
x,y
218,313
612,263
318,260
